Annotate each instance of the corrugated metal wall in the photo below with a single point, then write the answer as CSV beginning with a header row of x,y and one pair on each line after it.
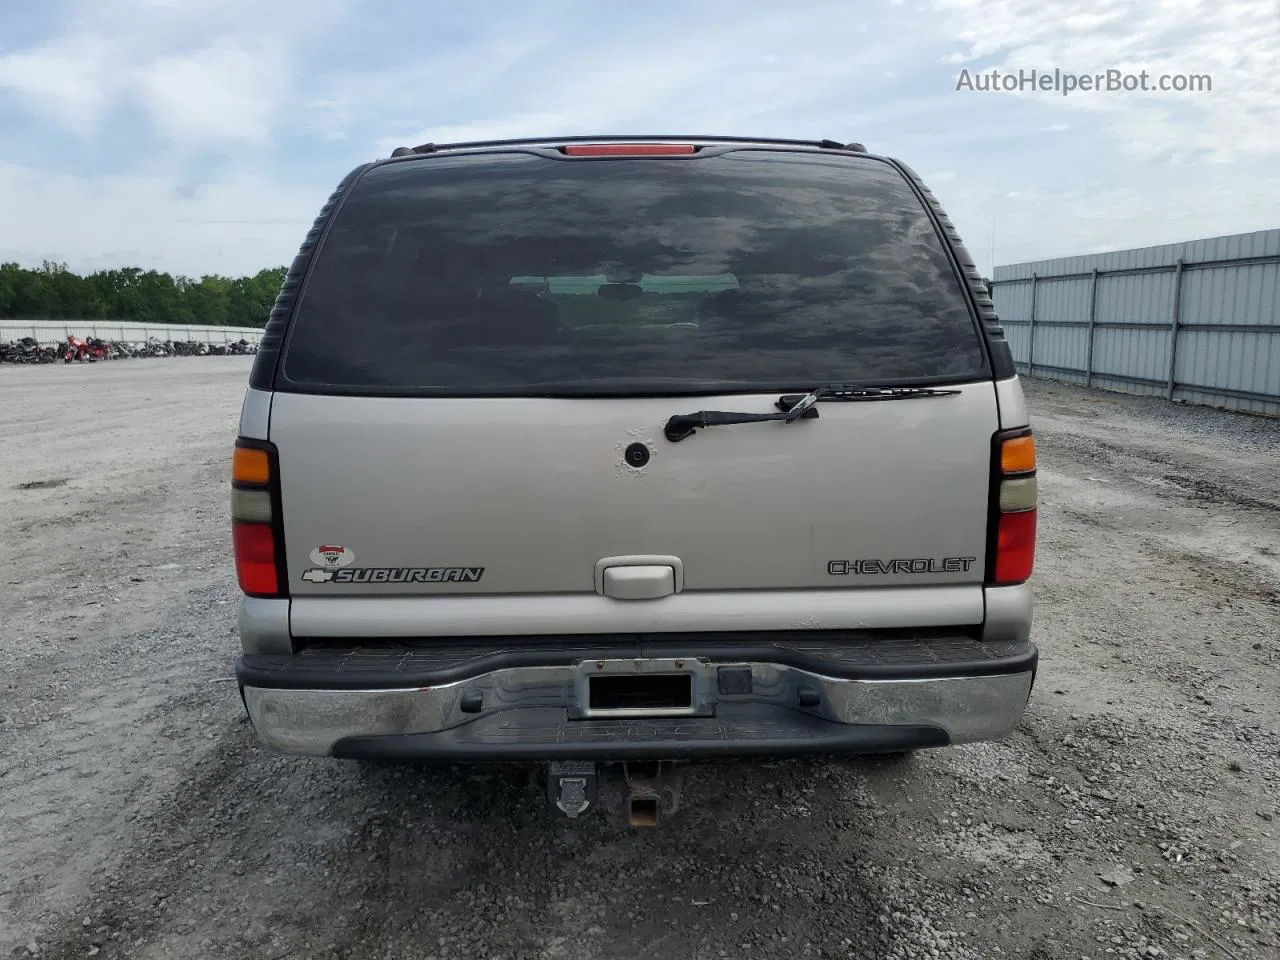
x,y
56,331
1196,321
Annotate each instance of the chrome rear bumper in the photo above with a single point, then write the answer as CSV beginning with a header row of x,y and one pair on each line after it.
x,y
543,713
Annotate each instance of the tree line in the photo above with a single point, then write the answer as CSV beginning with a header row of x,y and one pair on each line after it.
x,y
133,295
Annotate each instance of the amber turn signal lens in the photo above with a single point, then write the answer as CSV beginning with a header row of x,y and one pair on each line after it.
x,y
1018,455
250,466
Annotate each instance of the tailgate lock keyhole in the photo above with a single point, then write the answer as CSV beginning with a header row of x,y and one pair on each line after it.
x,y
636,455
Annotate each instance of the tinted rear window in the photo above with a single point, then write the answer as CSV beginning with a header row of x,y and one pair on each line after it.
x,y
514,273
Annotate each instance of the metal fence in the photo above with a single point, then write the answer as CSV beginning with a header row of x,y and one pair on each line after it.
x,y
57,331
1197,322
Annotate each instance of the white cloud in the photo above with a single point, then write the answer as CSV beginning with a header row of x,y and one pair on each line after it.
x,y
223,92
437,81
148,219
721,76
216,72
63,78
1236,42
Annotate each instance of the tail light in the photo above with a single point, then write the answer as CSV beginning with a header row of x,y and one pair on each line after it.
x,y
1011,548
256,530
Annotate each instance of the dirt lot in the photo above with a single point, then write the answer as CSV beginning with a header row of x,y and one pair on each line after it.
x,y
1135,813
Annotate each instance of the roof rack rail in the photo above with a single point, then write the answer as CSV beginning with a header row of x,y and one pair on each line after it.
x,y
837,145
412,151
596,138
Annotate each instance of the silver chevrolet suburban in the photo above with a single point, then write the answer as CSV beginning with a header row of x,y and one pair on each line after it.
x,y
633,450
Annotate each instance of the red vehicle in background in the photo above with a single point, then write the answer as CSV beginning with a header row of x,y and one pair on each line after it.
x,y
93,349
73,349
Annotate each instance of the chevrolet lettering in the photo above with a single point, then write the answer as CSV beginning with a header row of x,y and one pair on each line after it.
x,y
839,568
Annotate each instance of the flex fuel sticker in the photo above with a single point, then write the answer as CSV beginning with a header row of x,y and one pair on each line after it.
x,y
332,556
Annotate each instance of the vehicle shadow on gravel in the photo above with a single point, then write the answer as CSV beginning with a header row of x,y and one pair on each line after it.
x,y
277,857
759,856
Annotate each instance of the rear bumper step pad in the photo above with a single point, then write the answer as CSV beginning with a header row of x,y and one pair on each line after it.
x,y
853,655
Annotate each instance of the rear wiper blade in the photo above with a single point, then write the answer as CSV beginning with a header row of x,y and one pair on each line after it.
x,y
851,394
794,407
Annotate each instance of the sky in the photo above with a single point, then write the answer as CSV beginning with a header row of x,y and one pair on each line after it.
x,y
202,136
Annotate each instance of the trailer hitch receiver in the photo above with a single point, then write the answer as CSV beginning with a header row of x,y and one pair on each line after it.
x,y
653,791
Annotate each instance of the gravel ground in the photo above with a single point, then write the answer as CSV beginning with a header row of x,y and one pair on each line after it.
x,y
1133,814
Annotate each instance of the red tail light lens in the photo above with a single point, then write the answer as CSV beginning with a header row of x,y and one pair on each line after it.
x,y
255,549
1015,547
628,149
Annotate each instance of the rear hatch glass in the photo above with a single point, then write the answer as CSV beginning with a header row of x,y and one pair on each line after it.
x,y
510,274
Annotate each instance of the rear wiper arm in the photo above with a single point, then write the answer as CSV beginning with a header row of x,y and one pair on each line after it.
x,y
683,424
794,407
